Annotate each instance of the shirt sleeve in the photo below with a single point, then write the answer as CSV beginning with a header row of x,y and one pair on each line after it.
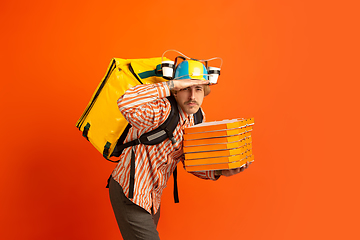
x,y
207,175
144,105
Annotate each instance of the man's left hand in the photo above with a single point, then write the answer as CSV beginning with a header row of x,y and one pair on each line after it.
x,y
231,172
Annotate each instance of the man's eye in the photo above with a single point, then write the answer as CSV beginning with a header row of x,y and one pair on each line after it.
x,y
199,89
185,89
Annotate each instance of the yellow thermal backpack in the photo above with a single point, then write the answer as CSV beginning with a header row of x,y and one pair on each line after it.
x,y
106,128
102,122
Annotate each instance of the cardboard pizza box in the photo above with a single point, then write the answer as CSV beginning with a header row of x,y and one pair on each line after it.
x,y
217,133
218,145
219,125
218,153
215,160
220,166
215,140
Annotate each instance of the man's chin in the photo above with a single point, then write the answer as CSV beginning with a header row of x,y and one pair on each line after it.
x,y
192,110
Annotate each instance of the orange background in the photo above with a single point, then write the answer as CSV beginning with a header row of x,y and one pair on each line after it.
x,y
292,65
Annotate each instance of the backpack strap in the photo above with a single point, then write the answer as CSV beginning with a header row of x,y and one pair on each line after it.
x,y
166,129
198,118
155,136
176,192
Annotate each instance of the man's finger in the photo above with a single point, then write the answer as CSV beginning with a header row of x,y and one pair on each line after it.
x,y
245,166
199,82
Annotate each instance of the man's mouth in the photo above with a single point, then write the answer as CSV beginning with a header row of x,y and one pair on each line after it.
x,y
191,103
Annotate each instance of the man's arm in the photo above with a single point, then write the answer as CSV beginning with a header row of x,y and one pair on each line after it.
x,y
142,105
215,174
139,105
231,172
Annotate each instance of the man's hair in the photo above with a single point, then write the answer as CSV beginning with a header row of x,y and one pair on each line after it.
x,y
207,90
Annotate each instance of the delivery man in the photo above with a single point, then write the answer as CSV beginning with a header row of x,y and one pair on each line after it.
x,y
146,107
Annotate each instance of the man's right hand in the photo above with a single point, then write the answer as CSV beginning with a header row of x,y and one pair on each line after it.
x,y
181,84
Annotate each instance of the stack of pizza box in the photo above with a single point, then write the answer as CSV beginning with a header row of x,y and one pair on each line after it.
x,y
218,145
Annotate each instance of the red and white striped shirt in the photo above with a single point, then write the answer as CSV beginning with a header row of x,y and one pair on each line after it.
x,y
146,107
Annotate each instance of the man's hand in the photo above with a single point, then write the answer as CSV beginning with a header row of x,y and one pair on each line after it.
x,y
181,84
231,172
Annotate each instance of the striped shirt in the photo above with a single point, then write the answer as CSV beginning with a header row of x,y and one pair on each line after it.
x,y
146,107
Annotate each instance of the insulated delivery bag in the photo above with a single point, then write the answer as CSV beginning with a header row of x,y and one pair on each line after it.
x,y
102,122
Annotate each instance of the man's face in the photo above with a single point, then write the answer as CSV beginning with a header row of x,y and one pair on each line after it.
x,y
191,98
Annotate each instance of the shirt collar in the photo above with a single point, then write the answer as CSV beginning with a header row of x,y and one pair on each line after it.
x,y
184,117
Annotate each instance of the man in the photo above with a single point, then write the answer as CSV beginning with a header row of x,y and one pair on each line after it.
x,y
146,107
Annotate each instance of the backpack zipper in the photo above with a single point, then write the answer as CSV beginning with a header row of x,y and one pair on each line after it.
x,y
133,72
87,110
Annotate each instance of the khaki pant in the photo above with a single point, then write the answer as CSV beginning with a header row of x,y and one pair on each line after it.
x,y
134,222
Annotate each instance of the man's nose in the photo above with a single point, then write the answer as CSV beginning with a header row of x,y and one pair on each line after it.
x,y
192,93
